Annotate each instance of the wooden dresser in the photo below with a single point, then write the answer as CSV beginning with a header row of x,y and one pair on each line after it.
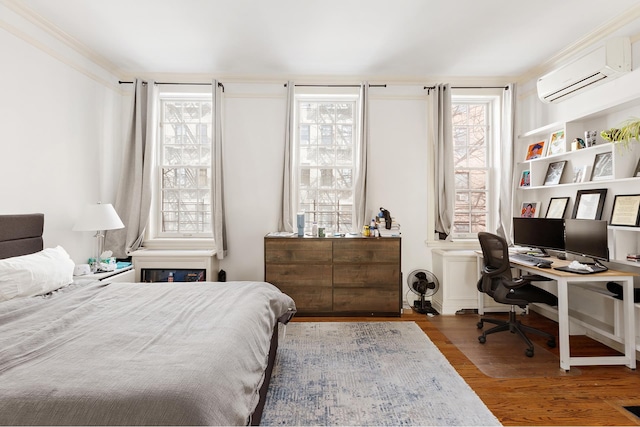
x,y
348,276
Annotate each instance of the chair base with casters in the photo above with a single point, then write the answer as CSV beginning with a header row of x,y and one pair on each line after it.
x,y
514,326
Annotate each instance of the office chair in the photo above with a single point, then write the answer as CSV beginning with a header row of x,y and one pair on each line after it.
x,y
498,283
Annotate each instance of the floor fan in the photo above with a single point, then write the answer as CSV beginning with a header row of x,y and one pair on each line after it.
x,y
424,284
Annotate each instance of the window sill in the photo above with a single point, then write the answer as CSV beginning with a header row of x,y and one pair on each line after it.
x,y
456,244
193,243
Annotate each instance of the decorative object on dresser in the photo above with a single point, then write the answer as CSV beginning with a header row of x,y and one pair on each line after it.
x,y
554,172
98,217
557,207
337,275
589,204
626,210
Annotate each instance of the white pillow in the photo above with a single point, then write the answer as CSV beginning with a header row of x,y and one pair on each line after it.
x,y
35,274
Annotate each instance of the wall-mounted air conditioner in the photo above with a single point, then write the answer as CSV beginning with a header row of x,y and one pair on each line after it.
x,y
602,64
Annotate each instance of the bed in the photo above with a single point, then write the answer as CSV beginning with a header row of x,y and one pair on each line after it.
x,y
100,353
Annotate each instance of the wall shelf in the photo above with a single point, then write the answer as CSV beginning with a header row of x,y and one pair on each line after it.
x,y
624,160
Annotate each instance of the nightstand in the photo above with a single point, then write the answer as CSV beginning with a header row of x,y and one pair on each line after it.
x,y
126,274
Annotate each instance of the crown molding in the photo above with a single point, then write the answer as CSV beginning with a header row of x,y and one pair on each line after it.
x,y
28,14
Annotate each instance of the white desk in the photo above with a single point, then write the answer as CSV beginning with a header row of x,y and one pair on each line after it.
x,y
564,279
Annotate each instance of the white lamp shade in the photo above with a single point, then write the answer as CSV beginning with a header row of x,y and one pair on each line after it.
x,y
96,217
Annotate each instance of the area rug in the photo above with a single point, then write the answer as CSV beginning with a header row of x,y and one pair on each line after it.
x,y
367,373
503,355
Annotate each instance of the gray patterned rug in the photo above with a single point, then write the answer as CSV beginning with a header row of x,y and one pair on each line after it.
x,y
368,373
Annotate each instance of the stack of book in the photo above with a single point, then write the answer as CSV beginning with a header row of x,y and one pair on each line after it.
x,y
633,257
393,232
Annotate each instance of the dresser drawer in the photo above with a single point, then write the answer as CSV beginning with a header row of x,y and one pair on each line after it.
x,y
294,251
366,251
366,300
363,275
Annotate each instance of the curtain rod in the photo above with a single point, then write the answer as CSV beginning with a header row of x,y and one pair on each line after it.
x,y
285,85
170,83
430,88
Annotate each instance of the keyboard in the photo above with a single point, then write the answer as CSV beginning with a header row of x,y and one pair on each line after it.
x,y
528,259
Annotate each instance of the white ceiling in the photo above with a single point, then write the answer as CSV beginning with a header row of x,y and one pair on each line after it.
x,y
402,39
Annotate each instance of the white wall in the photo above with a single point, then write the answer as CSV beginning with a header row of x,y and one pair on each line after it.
x,y
60,132
254,124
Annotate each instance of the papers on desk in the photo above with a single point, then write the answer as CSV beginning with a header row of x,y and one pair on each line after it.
x,y
519,250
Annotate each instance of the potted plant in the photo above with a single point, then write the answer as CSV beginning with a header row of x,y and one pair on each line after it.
x,y
624,133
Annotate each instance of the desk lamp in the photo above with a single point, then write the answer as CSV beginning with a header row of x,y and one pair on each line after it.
x,y
98,217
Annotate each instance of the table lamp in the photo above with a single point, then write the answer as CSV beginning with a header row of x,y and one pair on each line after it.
x,y
98,217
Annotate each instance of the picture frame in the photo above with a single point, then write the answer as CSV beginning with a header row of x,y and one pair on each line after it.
x,y
525,179
581,173
602,166
530,210
637,171
536,150
557,207
554,172
589,204
557,143
626,210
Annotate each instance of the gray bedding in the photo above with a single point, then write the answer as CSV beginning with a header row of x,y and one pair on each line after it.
x,y
138,354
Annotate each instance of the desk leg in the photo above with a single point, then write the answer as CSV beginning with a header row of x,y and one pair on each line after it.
x,y
629,324
563,323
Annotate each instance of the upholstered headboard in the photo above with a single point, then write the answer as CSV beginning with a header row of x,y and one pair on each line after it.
x,y
21,234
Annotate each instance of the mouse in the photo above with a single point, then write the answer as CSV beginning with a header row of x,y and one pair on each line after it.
x,y
543,265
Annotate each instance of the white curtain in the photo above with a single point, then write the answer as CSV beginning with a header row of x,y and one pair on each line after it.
x,y
505,163
442,134
217,187
133,200
360,188
286,220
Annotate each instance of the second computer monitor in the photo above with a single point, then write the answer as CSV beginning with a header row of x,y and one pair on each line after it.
x,y
588,238
541,233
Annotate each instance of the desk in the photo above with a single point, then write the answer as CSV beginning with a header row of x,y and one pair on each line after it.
x,y
564,279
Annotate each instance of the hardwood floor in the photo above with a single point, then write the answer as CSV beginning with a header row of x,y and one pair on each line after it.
x,y
594,397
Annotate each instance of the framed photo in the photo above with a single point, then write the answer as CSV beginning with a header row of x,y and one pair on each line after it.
x,y
637,172
580,173
589,204
554,172
626,210
525,178
602,167
557,207
536,150
557,143
530,209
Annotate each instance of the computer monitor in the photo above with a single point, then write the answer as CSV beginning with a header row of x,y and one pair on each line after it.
x,y
587,237
541,233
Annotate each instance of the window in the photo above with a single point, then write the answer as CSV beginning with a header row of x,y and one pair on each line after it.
x,y
473,139
184,169
325,160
